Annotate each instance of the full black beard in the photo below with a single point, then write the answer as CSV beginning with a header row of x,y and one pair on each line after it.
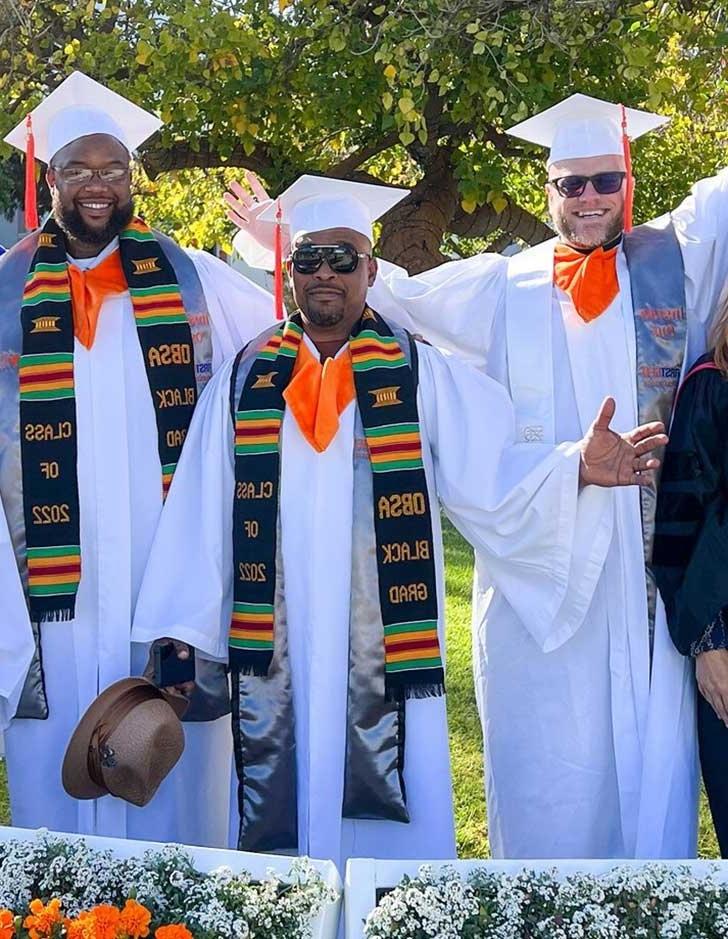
x,y
73,226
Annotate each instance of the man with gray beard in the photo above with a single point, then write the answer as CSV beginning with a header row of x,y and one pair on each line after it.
x,y
589,724
109,332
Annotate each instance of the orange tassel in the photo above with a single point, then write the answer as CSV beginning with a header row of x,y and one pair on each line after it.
x,y
31,203
278,273
629,193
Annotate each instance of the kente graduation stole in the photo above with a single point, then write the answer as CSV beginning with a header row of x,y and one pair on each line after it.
x,y
386,398
48,407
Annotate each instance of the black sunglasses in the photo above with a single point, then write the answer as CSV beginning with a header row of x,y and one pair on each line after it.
x,y
342,259
605,184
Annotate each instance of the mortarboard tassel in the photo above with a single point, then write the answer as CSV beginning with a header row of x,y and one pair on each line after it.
x,y
278,272
629,193
31,202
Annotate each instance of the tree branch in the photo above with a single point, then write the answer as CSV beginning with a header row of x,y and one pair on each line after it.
x,y
180,155
342,169
518,222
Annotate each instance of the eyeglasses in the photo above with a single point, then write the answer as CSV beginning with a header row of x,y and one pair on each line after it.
x,y
76,175
342,259
604,183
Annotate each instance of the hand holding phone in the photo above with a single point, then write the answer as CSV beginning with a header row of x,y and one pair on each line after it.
x,y
174,665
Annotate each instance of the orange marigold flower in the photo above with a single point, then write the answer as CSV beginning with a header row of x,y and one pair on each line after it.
x,y
106,921
173,932
7,924
134,921
42,918
84,927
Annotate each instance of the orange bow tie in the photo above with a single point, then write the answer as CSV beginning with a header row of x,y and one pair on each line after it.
x,y
317,395
589,279
89,289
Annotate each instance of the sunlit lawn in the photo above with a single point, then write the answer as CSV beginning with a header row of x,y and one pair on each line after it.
x,y
465,736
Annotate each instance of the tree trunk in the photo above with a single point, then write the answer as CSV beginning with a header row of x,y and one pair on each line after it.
x,y
412,231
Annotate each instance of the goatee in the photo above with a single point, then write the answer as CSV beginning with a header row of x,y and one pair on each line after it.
x,y
73,226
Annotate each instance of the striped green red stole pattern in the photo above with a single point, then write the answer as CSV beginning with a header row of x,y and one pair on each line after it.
x,y
386,399
48,408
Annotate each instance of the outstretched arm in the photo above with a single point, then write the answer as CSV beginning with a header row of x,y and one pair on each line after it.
x,y
701,224
534,513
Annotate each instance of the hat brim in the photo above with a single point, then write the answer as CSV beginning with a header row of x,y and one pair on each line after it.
x,y
74,773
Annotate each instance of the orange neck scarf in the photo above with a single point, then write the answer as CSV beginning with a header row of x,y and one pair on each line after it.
x,y
89,289
317,395
589,279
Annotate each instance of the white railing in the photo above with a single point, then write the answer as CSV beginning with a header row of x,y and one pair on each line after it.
x,y
206,859
365,877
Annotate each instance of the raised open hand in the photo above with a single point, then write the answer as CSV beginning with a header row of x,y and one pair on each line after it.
x,y
255,242
612,459
244,209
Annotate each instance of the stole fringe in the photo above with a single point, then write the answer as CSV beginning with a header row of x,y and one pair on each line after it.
x,y
53,616
407,692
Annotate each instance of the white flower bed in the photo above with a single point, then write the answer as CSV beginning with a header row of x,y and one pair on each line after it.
x,y
227,894
507,900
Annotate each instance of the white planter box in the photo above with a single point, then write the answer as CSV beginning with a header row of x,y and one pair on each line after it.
x,y
206,859
364,877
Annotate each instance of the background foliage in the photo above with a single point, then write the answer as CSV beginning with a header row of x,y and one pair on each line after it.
x,y
416,92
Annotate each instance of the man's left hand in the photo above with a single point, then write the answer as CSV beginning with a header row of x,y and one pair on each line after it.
x,y
183,652
612,459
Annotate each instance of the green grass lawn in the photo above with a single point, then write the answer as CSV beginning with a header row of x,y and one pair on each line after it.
x,y
465,736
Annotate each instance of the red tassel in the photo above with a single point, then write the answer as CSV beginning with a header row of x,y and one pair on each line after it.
x,y
278,272
31,203
629,192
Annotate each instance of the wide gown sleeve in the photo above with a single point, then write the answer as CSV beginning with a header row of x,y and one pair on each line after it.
x,y
16,634
186,591
453,306
691,531
701,224
239,309
543,541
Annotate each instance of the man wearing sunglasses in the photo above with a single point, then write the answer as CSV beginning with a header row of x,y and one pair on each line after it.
x,y
590,741
314,465
109,331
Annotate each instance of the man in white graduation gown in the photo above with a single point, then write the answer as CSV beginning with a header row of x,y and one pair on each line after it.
x,y
590,725
108,331
311,570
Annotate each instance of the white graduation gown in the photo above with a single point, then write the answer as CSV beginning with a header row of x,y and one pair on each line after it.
x,y
586,754
120,505
524,515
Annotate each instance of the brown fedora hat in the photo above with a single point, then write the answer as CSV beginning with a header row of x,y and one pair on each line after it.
x,y
126,743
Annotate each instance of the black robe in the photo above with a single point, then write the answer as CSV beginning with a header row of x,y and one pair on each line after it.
x,y
691,540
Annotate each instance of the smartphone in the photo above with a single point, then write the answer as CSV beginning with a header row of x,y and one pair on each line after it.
x,y
170,670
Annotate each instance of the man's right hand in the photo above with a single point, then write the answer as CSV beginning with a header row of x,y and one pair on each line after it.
x,y
245,210
711,672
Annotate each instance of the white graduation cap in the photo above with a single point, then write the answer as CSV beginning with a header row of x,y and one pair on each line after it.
x,y
582,126
315,203
77,108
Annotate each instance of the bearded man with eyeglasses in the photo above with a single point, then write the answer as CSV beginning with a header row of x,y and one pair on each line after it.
x,y
109,332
